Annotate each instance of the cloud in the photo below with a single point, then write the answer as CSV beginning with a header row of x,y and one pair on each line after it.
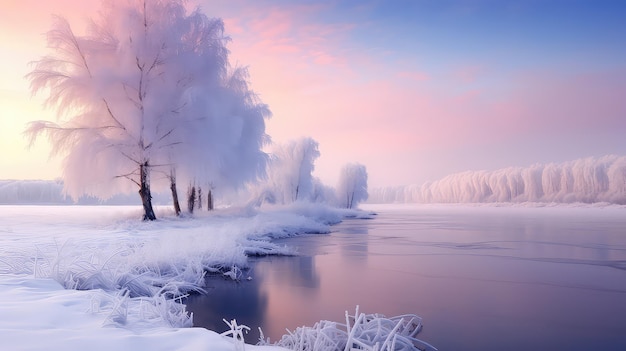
x,y
289,30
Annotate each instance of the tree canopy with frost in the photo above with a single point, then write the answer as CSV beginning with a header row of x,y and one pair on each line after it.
x,y
148,89
224,141
352,187
290,171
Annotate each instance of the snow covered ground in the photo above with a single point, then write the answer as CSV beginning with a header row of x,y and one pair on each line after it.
x,y
38,314
98,278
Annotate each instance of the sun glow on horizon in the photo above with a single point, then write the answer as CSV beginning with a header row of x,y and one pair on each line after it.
x,y
19,160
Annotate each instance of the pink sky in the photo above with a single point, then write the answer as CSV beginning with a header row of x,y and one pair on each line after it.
x,y
412,107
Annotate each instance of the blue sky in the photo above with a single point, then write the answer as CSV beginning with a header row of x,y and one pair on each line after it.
x,y
414,90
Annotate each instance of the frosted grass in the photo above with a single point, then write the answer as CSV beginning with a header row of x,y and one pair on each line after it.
x,y
81,269
369,332
145,266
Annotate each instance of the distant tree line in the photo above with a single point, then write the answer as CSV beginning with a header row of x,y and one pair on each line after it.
x,y
588,180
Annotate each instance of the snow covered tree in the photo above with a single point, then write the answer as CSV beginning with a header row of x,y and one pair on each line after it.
x,y
323,193
352,188
290,171
223,144
147,84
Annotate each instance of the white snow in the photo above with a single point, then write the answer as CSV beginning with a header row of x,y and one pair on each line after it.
x,y
38,314
98,278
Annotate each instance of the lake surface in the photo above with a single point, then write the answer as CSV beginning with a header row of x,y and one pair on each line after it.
x,y
483,278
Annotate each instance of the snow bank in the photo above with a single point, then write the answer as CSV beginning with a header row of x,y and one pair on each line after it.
x,y
588,180
124,273
38,314
84,248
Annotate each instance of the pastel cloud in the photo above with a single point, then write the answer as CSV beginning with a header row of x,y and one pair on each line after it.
x,y
286,32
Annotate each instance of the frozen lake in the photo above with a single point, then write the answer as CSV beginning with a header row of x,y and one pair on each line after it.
x,y
483,278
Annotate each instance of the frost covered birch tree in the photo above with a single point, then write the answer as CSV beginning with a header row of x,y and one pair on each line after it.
x,y
133,95
352,187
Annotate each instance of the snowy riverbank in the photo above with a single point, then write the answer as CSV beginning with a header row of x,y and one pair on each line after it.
x,y
129,272
38,314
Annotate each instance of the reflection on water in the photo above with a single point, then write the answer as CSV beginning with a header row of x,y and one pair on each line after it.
x,y
227,300
482,278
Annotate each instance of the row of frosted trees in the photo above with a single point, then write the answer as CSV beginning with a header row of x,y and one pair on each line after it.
x,y
588,180
147,98
290,178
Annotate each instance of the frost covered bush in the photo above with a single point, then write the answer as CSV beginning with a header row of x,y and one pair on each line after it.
x,y
290,173
352,187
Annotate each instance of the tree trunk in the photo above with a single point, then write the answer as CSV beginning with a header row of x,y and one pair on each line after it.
x,y
199,198
174,192
209,201
191,198
144,192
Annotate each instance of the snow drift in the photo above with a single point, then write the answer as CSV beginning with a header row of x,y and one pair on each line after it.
x,y
587,180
